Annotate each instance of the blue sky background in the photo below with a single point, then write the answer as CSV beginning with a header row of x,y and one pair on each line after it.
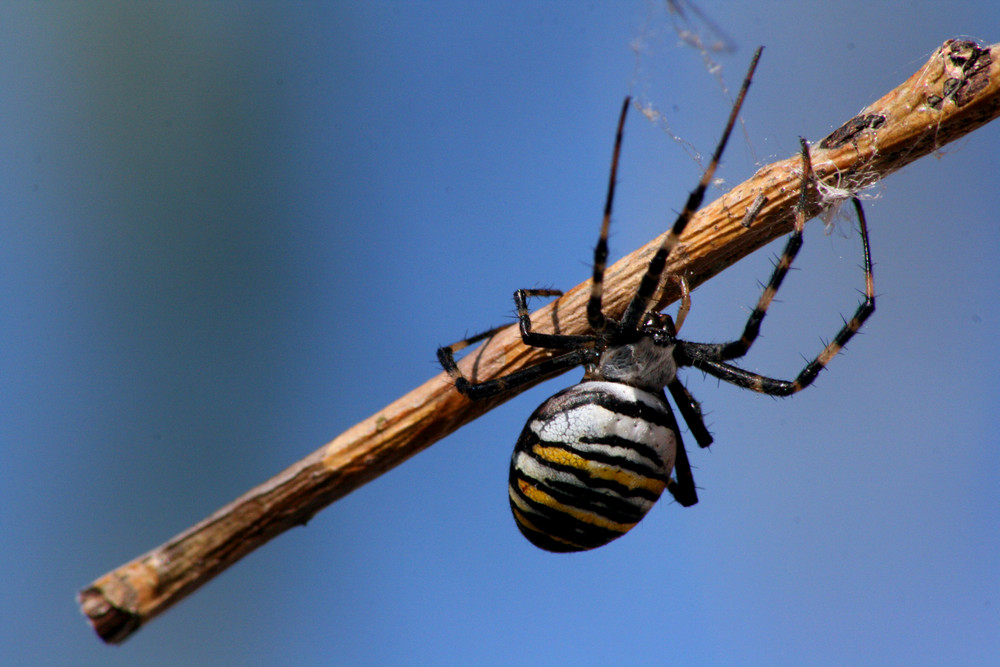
x,y
230,231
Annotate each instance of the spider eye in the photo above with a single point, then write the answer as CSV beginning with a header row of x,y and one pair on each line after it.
x,y
659,324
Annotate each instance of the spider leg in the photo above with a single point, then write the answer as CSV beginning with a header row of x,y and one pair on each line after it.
x,y
595,315
551,341
447,352
581,350
691,412
640,303
709,357
685,307
681,485
479,390
751,330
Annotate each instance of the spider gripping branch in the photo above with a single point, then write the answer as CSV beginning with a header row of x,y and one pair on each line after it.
x,y
954,93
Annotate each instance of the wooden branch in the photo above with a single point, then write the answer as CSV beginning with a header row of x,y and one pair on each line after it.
x,y
954,93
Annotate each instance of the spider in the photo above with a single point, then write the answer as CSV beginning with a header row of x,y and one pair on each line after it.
x,y
594,458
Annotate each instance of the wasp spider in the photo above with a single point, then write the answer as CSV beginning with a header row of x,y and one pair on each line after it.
x,y
593,459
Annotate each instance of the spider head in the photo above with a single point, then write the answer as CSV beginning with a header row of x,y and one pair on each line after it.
x,y
642,359
660,328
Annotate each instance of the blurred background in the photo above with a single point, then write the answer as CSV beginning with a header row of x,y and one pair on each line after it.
x,y
229,231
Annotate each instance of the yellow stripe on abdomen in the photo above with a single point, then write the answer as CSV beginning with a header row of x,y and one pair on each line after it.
x,y
536,495
597,470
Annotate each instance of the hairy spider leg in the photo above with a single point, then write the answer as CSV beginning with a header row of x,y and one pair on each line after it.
x,y
595,314
641,302
712,358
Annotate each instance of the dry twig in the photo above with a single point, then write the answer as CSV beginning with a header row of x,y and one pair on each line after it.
x,y
955,92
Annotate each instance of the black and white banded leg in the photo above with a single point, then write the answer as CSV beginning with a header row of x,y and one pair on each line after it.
x,y
712,358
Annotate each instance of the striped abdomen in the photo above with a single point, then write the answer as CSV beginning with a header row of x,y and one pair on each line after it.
x,y
590,463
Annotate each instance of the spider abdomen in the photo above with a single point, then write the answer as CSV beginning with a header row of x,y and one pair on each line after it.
x,y
590,463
